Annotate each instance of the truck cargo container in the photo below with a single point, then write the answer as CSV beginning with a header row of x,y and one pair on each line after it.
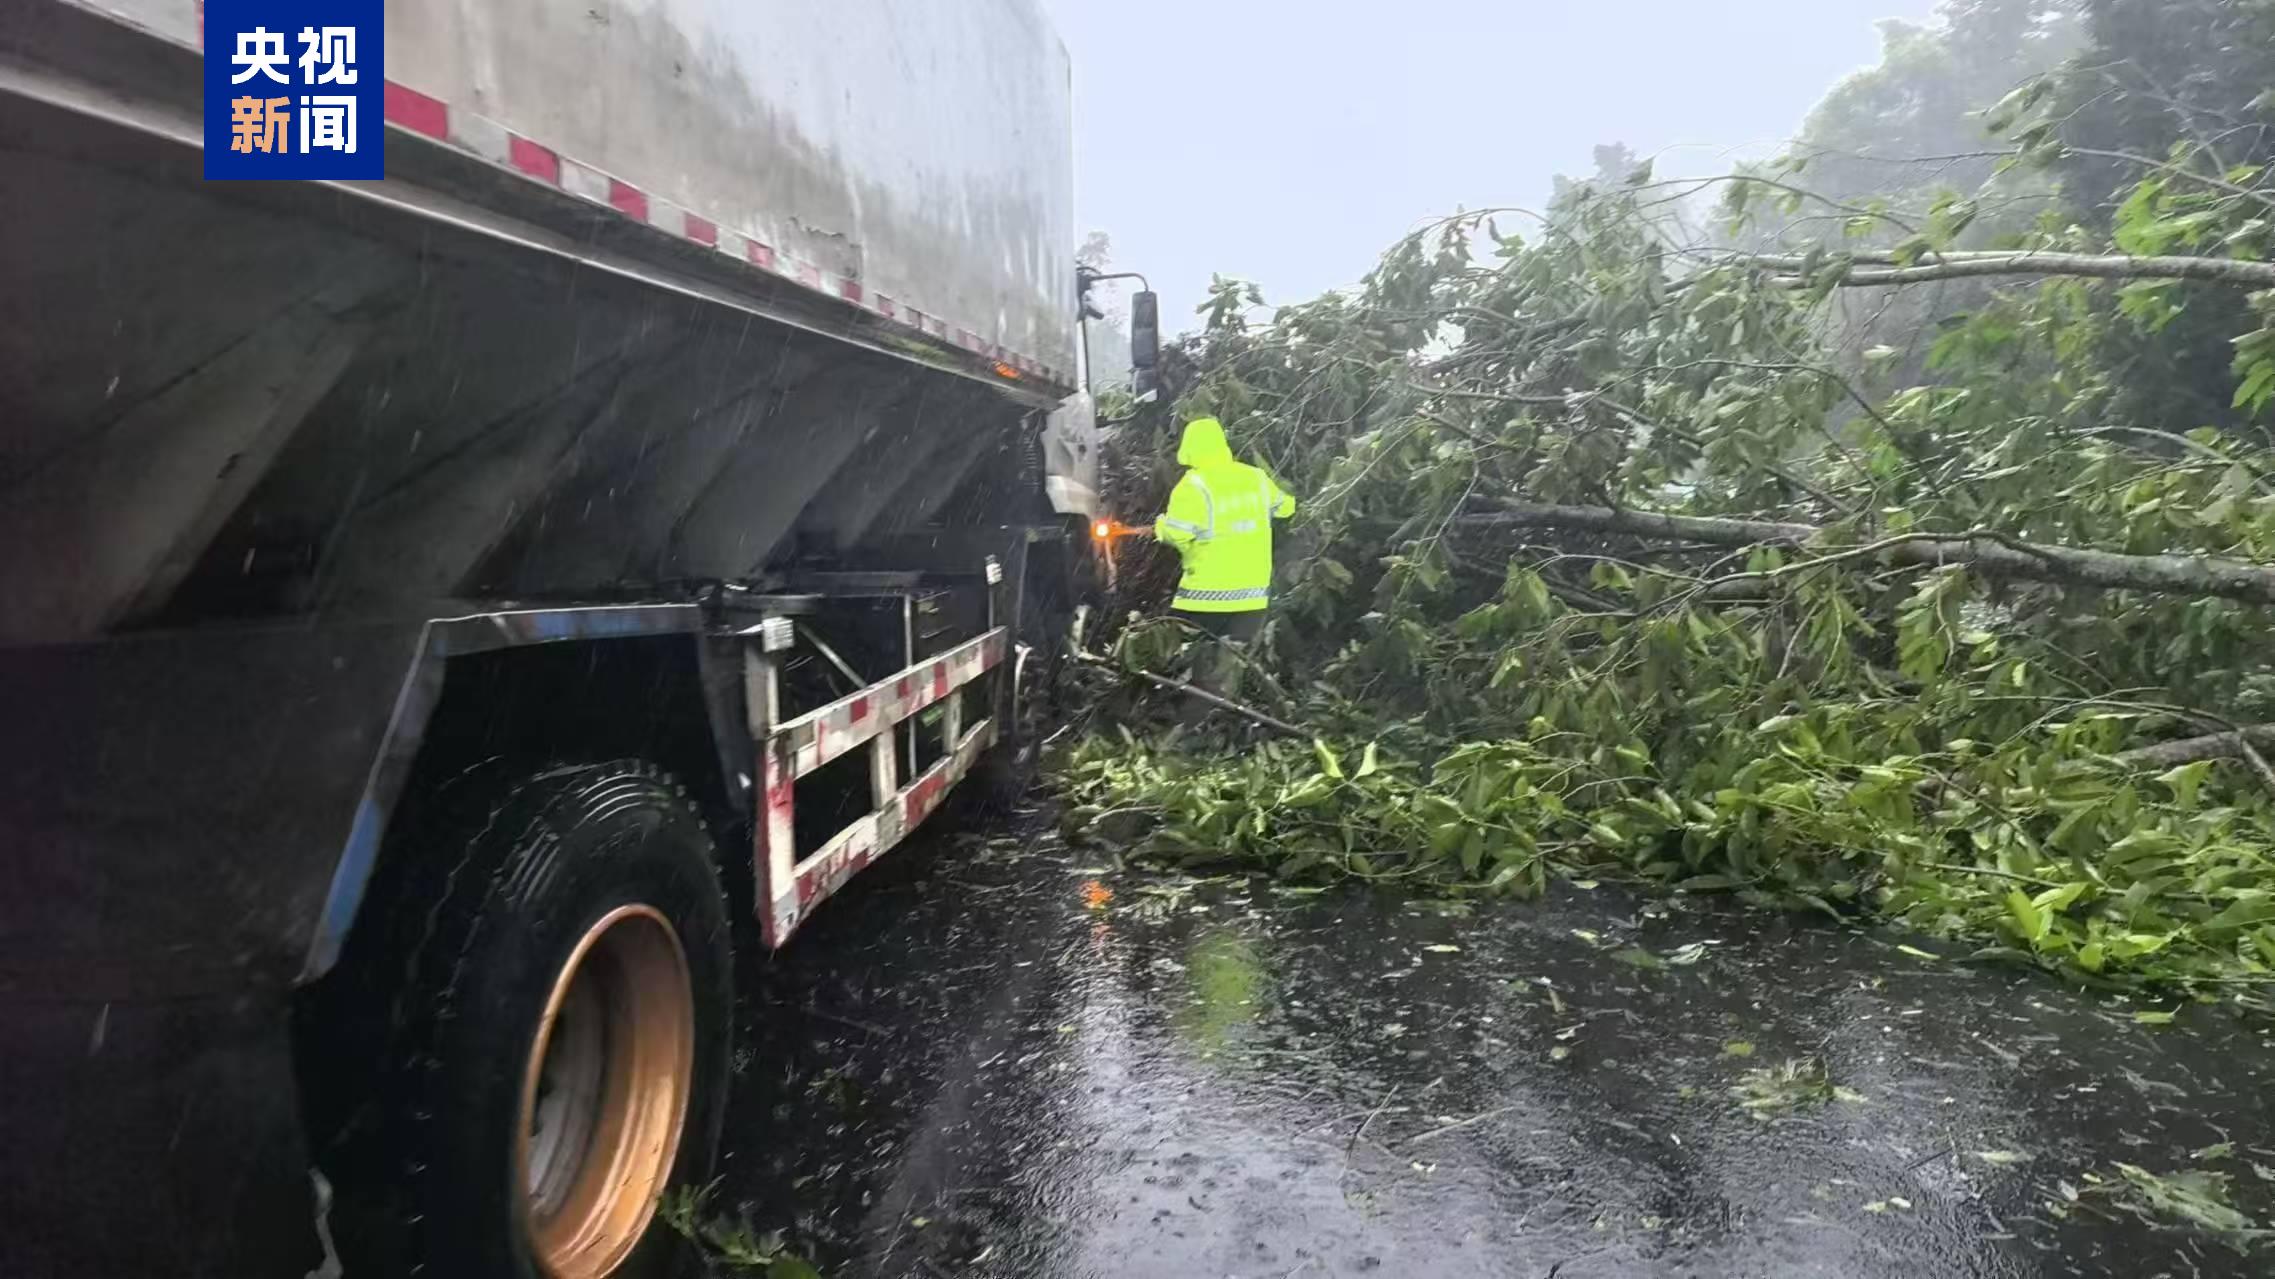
x,y
430,607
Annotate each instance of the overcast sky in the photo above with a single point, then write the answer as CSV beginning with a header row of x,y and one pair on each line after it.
x,y
1290,141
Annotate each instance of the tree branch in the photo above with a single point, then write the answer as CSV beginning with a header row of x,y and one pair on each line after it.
x,y
2181,442
1963,265
1213,699
1990,553
2188,750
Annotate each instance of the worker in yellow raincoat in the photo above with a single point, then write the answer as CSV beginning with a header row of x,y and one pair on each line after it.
x,y
1220,523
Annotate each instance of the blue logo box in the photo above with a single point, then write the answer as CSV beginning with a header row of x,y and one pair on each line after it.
x,y
293,89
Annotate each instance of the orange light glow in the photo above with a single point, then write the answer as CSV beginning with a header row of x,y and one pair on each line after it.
x,y
1003,370
1110,530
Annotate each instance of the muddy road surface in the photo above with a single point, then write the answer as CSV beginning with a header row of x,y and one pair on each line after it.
x,y
980,1064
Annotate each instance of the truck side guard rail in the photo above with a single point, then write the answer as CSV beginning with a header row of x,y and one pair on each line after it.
x,y
790,887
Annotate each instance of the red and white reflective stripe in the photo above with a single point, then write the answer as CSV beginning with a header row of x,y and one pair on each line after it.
x,y
819,736
777,830
429,117
853,849
792,886
414,112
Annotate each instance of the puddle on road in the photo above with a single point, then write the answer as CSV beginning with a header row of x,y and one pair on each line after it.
x,y
979,1065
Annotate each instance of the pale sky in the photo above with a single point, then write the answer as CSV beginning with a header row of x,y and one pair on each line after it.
x,y
1290,143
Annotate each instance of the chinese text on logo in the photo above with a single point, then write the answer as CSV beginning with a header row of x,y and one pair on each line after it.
x,y
293,90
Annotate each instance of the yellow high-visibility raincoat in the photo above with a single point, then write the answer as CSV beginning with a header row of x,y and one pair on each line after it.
x,y
1220,520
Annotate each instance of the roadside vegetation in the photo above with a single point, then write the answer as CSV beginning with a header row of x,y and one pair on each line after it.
x,y
1901,554
727,1245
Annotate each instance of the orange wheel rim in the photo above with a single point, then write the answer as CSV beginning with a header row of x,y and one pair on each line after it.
x,y
604,1094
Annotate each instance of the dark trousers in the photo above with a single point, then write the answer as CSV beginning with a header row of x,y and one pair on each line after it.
x,y
1218,671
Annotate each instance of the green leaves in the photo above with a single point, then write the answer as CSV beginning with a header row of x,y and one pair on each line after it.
x,y
2186,781
1927,627
1796,1084
1814,726
2194,1197
2149,303
2030,920
2018,109
2255,367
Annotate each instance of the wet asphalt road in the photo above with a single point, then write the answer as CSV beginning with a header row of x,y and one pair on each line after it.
x,y
966,1067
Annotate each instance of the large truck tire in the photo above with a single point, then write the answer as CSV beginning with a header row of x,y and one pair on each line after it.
x,y
566,1007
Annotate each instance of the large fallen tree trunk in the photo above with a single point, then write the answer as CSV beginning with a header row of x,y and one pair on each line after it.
x,y
1863,269
2188,750
1991,554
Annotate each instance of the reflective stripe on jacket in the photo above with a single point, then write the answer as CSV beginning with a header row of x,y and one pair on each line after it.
x,y
1220,520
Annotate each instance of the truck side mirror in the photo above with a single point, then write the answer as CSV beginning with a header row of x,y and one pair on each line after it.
x,y
1145,332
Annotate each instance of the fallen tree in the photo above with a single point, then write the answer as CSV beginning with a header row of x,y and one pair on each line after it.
x,y
1608,566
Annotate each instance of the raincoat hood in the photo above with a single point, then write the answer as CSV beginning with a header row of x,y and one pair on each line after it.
x,y
1203,444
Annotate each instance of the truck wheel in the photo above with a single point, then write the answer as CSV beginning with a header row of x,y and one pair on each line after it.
x,y
574,998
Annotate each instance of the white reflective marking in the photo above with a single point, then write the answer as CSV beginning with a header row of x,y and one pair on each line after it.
x,y
1206,496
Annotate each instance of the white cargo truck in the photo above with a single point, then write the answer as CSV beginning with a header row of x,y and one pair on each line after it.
x,y
432,608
